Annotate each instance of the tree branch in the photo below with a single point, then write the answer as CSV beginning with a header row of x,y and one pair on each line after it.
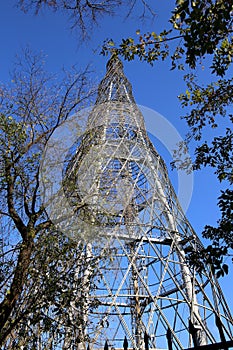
x,y
10,201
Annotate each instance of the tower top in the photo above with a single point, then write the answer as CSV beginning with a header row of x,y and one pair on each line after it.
x,y
114,63
115,86
115,103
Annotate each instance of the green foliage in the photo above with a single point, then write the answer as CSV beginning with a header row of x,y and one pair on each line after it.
x,y
207,104
218,155
211,255
202,28
149,47
221,236
206,27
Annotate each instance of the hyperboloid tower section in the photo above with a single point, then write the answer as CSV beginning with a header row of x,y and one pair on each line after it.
x,y
138,288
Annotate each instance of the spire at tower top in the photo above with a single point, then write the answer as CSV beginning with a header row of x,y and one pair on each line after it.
x,y
114,63
115,103
115,86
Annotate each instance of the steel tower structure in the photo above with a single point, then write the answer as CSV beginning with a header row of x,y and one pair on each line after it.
x,y
136,279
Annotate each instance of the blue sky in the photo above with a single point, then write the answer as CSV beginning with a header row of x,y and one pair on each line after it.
x,y
154,87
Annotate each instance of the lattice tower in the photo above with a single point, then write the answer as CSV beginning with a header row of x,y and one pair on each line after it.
x,y
136,278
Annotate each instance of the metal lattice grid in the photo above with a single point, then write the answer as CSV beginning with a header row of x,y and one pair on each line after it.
x,y
136,276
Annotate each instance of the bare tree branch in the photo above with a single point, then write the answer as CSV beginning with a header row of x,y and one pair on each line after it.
x,y
31,110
